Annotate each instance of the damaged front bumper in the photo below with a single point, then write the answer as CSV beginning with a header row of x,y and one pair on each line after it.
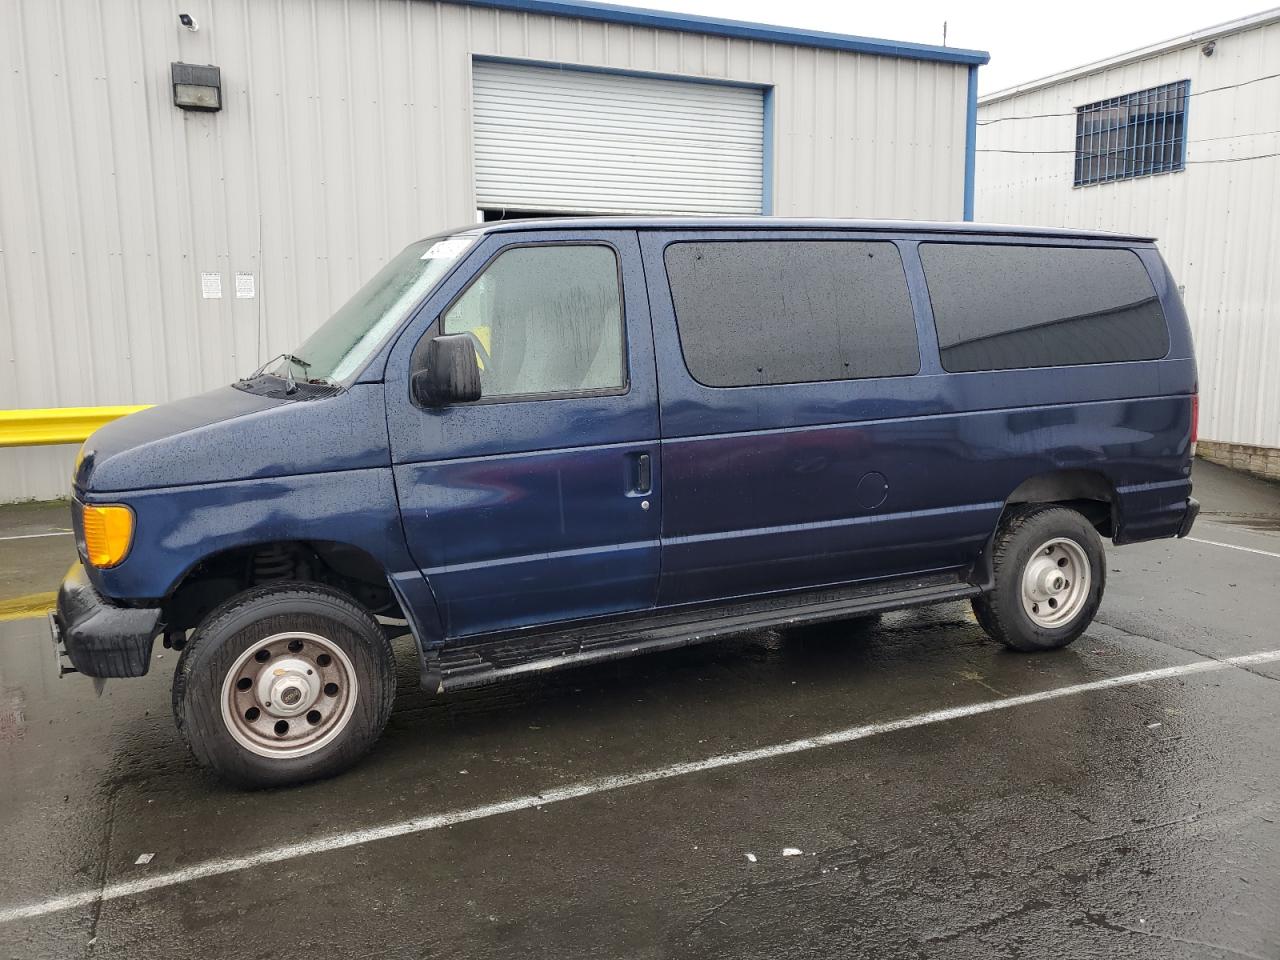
x,y
100,638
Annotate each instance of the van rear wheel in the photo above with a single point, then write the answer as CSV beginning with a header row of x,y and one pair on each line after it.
x,y
1049,571
284,683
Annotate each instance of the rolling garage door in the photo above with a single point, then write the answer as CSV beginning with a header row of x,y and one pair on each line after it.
x,y
575,141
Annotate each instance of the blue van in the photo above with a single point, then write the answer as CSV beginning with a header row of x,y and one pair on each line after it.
x,y
551,442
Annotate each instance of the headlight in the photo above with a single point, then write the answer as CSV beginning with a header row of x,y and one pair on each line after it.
x,y
108,533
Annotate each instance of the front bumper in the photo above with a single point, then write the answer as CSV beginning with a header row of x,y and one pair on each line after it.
x,y
100,638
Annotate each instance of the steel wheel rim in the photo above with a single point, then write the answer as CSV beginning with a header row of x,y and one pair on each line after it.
x,y
1055,583
289,695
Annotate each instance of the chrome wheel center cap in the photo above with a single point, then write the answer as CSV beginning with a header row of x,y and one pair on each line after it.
x,y
289,687
1051,581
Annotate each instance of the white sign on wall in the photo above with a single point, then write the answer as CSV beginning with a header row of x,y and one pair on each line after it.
x,y
211,286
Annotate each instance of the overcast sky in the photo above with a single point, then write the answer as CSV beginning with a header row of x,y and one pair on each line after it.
x,y
1026,40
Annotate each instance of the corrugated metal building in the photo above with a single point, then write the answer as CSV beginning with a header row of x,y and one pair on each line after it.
x,y
1181,141
149,252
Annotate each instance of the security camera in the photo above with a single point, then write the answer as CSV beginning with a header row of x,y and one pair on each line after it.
x,y
1208,48
188,21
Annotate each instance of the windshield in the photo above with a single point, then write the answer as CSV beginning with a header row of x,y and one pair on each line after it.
x,y
348,338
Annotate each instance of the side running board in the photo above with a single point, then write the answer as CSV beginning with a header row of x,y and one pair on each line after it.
x,y
488,661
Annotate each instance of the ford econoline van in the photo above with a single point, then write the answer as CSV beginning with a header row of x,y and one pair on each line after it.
x,y
545,443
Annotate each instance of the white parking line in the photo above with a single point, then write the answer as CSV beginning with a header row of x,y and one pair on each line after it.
x,y
37,536
1234,546
338,841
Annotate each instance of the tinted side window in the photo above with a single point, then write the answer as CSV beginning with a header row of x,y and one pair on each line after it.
x,y
791,311
1004,307
545,320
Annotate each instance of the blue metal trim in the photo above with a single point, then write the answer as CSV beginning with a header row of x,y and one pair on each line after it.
x,y
1186,125
766,166
565,67
970,141
663,20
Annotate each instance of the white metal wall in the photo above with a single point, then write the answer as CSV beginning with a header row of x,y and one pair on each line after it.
x,y
589,142
346,133
1216,221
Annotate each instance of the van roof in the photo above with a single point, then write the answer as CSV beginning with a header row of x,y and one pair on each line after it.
x,y
794,223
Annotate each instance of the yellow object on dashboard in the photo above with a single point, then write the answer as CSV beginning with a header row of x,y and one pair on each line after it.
x,y
108,533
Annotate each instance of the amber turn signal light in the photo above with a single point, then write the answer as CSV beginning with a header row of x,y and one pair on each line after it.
x,y
108,533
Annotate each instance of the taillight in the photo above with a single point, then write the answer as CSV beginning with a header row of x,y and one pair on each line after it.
x,y
1195,421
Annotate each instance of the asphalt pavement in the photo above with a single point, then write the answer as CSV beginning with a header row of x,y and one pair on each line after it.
x,y
905,790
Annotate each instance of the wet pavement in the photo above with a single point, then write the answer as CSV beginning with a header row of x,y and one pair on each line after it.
x,y
1138,820
35,551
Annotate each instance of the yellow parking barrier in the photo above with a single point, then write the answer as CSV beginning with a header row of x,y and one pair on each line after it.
x,y
28,607
28,428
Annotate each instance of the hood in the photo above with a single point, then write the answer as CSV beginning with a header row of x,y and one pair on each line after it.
x,y
231,434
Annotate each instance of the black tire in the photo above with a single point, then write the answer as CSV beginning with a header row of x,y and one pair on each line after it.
x,y
245,621
1002,612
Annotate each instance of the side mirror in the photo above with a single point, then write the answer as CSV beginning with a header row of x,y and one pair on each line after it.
x,y
448,372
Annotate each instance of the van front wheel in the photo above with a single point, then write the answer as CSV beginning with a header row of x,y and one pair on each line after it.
x,y
1049,571
284,683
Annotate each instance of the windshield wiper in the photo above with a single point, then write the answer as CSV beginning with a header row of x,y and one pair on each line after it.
x,y
291,385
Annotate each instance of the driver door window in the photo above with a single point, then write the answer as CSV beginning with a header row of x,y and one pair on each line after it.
x,y
545,320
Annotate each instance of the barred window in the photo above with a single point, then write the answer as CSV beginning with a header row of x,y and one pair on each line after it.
x,y
1135,135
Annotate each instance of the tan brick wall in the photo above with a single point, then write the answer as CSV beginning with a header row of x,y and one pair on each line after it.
x,y
1262,461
